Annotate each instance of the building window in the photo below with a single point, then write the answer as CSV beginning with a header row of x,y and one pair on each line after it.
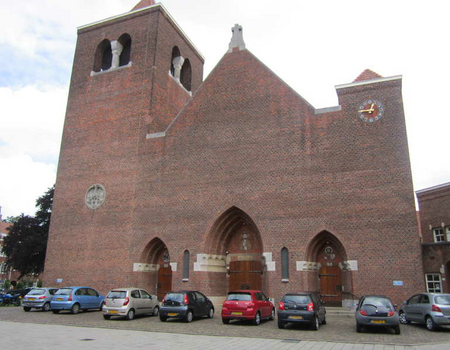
x,y
434,283
3,268
438,234
103,56
186,75
447,232
125,56
186,258
285,265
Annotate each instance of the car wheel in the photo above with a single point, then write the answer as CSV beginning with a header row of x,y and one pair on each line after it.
x,y
75,309
431,325
189,316
211,313
225,320
101,306
26,308
106,317
315,324
280,324
358,328
257,319
397,330
272,315
155,311
55,311
402,318
162,318
46,307
130,314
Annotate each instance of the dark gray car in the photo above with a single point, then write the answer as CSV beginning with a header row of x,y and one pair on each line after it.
x,y
304,308
433,310
376,311
185,305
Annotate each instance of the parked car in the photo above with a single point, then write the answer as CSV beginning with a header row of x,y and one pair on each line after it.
x,y
38,298
376,311
185,305
247,305
128,302
306,308
76,299
433,310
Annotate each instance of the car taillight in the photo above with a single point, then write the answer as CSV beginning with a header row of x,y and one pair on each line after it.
x,y
391,313
70,297
42,297
436,308
362,312
127,300
250,305
281,306
104,303
310,307
163,300
186,299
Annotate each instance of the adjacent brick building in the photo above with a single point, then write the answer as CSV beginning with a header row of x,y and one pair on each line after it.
x,y
166,181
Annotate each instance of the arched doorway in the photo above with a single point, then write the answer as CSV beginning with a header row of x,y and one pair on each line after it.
x,y
236,236
328,255
156,255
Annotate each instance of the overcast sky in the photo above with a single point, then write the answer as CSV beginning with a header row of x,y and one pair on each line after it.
x,y
312,45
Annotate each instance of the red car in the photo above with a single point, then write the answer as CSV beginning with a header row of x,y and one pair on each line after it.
x,y
247,305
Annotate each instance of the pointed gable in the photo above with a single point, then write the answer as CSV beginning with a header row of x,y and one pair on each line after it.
x,y
143,3
367,75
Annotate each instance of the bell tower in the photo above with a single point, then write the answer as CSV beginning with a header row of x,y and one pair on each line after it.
x,y
132,74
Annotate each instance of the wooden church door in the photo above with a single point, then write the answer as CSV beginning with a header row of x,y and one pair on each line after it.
x,y
245,275
164,285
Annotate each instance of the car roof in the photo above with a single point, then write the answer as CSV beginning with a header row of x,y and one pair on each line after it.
x,y
125,289
245,291
376,296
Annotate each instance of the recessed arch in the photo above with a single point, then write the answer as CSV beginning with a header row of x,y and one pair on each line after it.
x,y
186,75
154,251
125,56
175,53
103,56
320,241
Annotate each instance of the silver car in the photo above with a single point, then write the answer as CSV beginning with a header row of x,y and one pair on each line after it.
x,y
433,310
38,298
129,302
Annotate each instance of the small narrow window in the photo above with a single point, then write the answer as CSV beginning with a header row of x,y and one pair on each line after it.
x,y
186,258
103,56
125,56
285,264
186,75
175,53
434,283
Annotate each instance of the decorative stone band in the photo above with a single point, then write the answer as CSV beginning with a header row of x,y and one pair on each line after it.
x,y
210,263
349,265
143,267
174,266
270,264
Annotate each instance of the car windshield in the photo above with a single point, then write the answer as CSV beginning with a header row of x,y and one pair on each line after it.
x,y
117,294
178,297
297,299
240,296
377,301
64,291
442,299
36,292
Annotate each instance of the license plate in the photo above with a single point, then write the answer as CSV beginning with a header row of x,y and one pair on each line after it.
x,y
59,298
31,298
378,321
172,314
113,311
237,313
295,317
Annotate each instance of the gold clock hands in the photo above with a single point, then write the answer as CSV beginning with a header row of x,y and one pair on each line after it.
x,y
369,110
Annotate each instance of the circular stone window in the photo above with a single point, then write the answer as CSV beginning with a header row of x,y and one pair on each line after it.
x,y
95,196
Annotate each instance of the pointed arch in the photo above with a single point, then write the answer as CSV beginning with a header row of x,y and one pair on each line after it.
x,y
125,56
153,251
318,243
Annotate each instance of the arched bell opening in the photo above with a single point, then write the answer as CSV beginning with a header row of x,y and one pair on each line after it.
x,y
156,266
235,236
330,274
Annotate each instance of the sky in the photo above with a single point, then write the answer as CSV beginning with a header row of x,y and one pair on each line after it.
x,y
312,45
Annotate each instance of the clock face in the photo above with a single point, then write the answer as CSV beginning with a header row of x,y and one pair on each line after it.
x,y
370,111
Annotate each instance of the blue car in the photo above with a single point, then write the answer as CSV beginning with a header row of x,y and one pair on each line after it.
x,y
76,299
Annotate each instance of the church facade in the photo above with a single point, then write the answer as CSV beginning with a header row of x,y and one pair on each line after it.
x,y
167,181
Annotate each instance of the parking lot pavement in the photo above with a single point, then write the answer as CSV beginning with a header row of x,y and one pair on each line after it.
x,y
339,332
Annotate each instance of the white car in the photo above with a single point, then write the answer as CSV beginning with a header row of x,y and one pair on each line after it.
x,y
129,302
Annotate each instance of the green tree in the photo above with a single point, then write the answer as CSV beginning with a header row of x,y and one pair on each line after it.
x,y
26,243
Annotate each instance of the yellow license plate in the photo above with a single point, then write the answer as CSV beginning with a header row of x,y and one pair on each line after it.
x,y
172,314
237,313
378,321
295,317
31,298
113,311
59,298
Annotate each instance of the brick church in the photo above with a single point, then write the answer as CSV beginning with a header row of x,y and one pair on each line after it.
x,y
167,181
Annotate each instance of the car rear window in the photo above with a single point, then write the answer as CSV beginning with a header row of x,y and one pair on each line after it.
x,y
117,294
377,301
179,297
297,299
442,299
240,296
36,292
64,291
